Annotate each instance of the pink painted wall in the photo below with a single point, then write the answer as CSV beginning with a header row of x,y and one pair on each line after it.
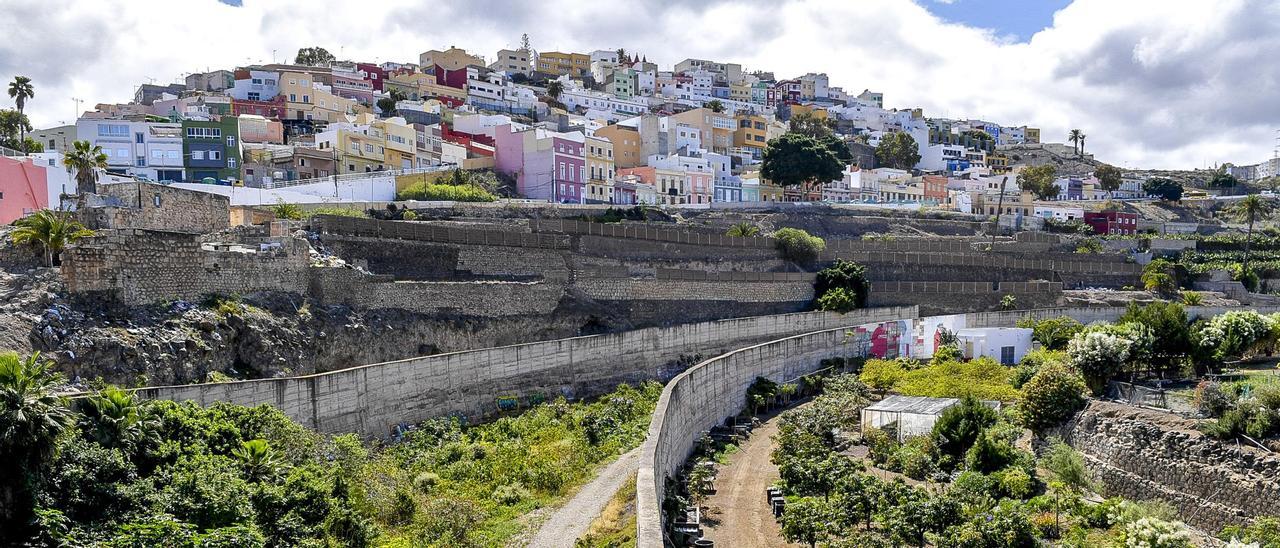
x,y
23,189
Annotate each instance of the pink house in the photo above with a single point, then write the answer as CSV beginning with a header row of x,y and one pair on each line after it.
x,y
24,188
547,165
700,186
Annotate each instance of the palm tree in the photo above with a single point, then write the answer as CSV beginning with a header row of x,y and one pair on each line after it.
x,y
1082,136
1250,209
115,418
743,230
20,90
259,459
32,418
554,89
53,230
715,105
622,56
85,159
1075,137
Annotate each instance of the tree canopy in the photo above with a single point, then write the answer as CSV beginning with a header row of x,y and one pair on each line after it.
x,y
898,150
809,125
794,160
313,56
1109,177
1222,179
1165,189
1038,180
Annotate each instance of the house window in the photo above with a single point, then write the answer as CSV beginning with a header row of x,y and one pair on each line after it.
x,y
306,98
142,161
231,142
255,96
138,138
215,155
231,162
113,130
293,98
156,200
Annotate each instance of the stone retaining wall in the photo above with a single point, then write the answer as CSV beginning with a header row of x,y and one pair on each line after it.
x,y
373,400
712,390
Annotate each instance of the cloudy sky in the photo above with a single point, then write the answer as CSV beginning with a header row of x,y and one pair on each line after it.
x,y
1153,83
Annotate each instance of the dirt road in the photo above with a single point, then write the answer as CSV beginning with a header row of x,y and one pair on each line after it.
x,y
744,517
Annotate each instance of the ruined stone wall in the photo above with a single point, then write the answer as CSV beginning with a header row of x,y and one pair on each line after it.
x,y
492,299
149,206
373,399
141,267
1140,454
953,297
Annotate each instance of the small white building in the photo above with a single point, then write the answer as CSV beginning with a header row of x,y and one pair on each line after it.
x,y
911,415
1006,345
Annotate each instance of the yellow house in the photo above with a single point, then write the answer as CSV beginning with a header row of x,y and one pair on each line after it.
x,y
626,145
672,186
716,128
450,59
400,141
573,64
752,132
305,101
817,112
740,91
770,192
600,169
420,85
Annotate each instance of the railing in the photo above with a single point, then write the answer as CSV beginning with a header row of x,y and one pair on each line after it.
x,y
352,177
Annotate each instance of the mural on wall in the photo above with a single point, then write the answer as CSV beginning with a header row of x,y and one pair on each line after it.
x,y
886,339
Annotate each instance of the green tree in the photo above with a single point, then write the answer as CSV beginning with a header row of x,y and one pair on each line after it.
x,y
838,147
807,520
1250,209
1067,466
810,125
554,89
259,460
1052,395
1222,179
20,89
13,125
51,230
85,159
796,160
847,275
1109,178
959,426
798,245
898,150
1053,333
715,105
115,418
1038,180
314,56
1077,140
1170,328
386,105
1165,189
32,418
743,230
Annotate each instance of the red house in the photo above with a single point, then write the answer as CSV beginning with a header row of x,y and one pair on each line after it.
x,y
1112,222
273,108
24,189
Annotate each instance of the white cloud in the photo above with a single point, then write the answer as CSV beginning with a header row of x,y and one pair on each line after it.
x,y
1153,83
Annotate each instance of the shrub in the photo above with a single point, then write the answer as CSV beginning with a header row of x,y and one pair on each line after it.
x,y
959,426
847,275
915,458
1264,532
1032,363
798,245
443,192
989,455
1008,302
982,378
1051,396
1099,353
881,374
1015,483
282,210
1211,400
1192,298
743,230
1089,246
1005,526
1156,533
839,300
1066,465
1234,334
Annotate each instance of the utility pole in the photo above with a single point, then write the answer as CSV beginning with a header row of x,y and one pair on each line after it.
x,y
77,102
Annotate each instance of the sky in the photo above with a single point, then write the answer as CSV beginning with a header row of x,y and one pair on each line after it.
x,y
1173,84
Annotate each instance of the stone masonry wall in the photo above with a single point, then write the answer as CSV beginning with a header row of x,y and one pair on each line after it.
x,y
151,206
476,299
373,399
1141,454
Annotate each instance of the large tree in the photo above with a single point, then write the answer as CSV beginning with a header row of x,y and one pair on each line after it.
x,y
20,90
1251,208
85,159
554,89
1038,180
796,160
809,125
13,128
1222,179
32,418
315,56
898,150
1109,178
1165,189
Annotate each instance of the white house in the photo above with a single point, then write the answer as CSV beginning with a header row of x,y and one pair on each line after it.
x,y
1004,344
262,85
149,150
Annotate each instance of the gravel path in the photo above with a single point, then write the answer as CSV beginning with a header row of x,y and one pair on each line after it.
x,y
572,520
744,517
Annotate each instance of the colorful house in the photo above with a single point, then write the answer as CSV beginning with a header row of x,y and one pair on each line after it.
x,y
212,149
23,188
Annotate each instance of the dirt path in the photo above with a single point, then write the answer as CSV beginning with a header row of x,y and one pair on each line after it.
x,y
744,517
572,520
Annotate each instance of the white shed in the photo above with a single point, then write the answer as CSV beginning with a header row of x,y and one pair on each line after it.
x,y
1006,345
914,415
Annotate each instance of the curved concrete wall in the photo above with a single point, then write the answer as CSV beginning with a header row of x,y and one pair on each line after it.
x,y
703,395
373,400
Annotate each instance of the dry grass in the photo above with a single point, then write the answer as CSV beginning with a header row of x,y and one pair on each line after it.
x,y
615,527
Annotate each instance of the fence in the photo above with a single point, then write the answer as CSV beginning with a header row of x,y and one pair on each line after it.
x,y
352,177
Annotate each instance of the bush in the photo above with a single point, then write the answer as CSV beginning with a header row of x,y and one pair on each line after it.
x,y
839,300
1099,353
846,275
798,245
1264,532
1192,298
1234,334
982,378
881,374
291,212
443,192
1089,246
1015,483
1051,396
1156,533
959,426
989,455
1211,400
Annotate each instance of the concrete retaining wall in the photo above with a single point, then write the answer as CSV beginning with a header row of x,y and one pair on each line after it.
x,y
1088,315
374,399
704,395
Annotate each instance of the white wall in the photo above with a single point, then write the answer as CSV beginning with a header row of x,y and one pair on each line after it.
x,y
374,189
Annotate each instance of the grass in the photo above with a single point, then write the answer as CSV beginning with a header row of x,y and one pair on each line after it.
x,y
615,527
